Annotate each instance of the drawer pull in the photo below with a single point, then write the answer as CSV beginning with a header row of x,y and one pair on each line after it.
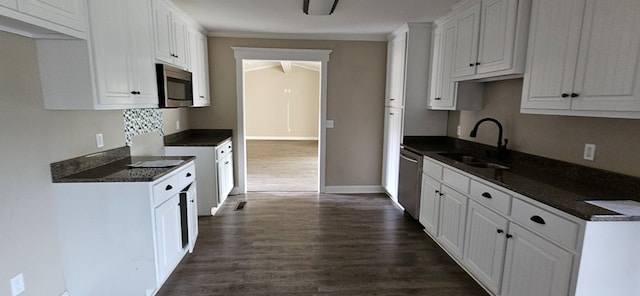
x,y
188,174
169,187
509,236
500,231
537,219
486,195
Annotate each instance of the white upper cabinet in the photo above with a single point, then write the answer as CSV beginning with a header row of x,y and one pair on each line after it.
x,y
491,39
170,34
583,59
69,13
443,90
396,53
45,18
199,67
114,69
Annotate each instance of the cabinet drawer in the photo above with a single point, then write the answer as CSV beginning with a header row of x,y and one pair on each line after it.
x,y
490,197
456,180
432,169
187,175
223,150
546,223
165,189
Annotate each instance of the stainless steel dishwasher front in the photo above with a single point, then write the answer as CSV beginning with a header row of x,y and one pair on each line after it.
x,y
410,181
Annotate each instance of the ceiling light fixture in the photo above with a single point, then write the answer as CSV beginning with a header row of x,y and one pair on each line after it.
x,y
319,7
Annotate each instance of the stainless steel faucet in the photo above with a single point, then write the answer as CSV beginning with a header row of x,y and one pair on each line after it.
x,y
502,148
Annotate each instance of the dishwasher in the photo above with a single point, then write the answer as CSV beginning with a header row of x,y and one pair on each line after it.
x,y
410,182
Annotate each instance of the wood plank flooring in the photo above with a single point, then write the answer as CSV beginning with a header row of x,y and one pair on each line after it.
x,y
284,166
312,244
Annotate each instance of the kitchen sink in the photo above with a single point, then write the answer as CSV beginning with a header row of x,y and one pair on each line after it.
x,y
473,161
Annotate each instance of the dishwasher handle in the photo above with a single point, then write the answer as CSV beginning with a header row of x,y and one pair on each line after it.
x,y
409,159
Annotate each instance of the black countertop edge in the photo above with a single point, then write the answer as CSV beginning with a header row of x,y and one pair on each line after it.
x,y
75,165
198,137
119,171
558,184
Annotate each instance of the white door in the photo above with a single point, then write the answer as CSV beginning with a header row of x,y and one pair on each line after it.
x,y
453,213
608,62
396,70
168,235
497,35
69,13
141,52
466,43
192,64
180,41
554,37
485,244
162,28
430,204
447,88
203,71
435,93
192,214
534,266
109,28
391,150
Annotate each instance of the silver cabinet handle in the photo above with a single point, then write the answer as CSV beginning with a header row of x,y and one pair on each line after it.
x,y
408,159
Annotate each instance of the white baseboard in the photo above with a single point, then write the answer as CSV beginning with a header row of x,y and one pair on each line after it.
x,y
354,189
276,138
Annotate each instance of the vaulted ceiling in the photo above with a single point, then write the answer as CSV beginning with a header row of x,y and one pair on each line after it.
x,y
352,19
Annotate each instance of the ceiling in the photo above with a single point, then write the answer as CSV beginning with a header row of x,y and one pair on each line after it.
x,y
352,19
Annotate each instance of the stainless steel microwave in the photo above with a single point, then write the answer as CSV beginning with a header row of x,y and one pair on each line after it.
x,y
175,87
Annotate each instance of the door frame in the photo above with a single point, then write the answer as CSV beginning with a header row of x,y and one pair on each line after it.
x,y
279,54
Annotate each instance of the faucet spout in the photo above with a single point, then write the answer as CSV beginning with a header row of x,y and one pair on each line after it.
x,y
501,147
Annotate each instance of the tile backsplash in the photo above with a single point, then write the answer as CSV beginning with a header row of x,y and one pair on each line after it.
x,y
141,121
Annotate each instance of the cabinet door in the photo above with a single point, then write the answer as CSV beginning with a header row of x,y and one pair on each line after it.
x,y
534,266
162,28
497,35
447,88
180,40
110,40
396,53
192,64
554,37
141,52
608,61
13,4
453,213
203,71
485,245
228,171
391,150
435,93
69,13
430,204
192,213
168,236
466,42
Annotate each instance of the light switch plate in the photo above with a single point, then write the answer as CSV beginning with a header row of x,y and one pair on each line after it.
x,y
99,140
589,152
329,123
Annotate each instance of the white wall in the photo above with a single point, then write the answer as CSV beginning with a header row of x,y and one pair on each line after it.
x,y
30,139
281,105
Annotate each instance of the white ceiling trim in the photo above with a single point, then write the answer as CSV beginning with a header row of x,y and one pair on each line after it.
x,y
339,37
281,54
286,66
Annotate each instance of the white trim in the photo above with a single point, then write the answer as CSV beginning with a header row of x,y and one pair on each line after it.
x,y
279,54
342,37
354,189
280,138
65,294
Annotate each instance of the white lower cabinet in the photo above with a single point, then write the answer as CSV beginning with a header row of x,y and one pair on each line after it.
x,y
224,156
453,209
391,150
122,238
485,245
430,205
534,266
192,213
168,235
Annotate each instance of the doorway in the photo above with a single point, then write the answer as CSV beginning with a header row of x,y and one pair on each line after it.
x,y
282,111
270,54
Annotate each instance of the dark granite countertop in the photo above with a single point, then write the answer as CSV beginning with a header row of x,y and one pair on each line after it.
x,y
198,137
119,171
558,184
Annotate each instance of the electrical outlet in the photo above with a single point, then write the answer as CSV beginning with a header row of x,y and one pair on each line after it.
x,y
329,123
17,285
99,140
589,152
178,124
459,130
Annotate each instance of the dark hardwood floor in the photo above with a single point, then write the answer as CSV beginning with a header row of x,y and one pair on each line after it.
x,y
311,244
